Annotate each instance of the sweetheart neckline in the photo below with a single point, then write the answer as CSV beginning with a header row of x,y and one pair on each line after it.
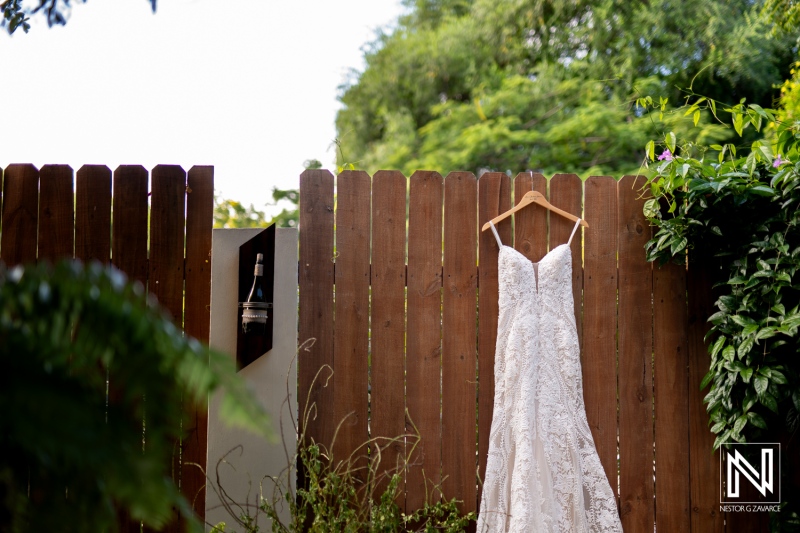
x,y
537,263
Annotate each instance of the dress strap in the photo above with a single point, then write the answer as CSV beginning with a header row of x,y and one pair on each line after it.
x,y
577,223
496,236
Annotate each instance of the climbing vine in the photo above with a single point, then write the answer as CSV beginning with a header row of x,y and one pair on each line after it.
x,y
737,217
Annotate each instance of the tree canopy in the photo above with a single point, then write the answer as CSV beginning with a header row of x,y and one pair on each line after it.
x,y
550,85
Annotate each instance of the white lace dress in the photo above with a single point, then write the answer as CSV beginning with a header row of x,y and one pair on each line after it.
x,y
543,473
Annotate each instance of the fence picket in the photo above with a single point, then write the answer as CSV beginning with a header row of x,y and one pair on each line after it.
x,y
388,321
423,336
566,192
599,362
129,231
494,197
56,237
20,214
703,464
671,398
166,264
635,352
351,338
93,213
316,307
459,339
196,322
530,225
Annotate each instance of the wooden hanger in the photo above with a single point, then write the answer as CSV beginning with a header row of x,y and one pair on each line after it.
x,y
533,197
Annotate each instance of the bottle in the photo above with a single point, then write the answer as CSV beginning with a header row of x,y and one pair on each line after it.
x,y
254,316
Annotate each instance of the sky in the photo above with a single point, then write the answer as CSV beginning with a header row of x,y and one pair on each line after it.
x,y
248,86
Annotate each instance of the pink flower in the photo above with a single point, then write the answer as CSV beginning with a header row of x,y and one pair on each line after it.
x,y
778,161
666,155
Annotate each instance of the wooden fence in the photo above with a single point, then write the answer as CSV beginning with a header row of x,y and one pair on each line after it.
x,y
390,290
105,218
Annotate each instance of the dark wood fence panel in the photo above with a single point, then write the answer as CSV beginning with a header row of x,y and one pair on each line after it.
x,y
635,356
423,337
196,322
599,361
56,227
45,218
20,214
315,363
351,311
387,379
671,361
530,225
129,231
703,463
459,358
494,197
93,213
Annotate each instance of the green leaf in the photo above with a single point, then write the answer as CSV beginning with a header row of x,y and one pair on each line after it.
x,y
756,419
746,374
650,150
779,308
738,122
769,401
740,423
765,333
696,117
762,190
670,140
796,399
707,379
778,377
745,347
678,245
760,383
716,347
651,208
728,353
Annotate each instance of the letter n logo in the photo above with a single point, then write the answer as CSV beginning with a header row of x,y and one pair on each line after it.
x,y
750,473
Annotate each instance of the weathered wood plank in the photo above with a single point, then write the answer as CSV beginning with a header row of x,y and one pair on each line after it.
x,y
459,339
388,323
56,226
599,362
530,224
635,352
494,197
20,214
423,337
129,231
671,375
93,213
351,334
196,322
315,363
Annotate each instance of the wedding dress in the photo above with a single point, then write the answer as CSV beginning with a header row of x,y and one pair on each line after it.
x,y
543,473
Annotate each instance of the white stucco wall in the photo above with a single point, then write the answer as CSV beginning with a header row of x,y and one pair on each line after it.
x,y
249,458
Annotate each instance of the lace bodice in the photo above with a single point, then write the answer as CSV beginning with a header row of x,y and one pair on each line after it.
x,y
543,473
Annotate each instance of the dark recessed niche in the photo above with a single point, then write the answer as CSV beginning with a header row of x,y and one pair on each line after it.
x,y
250,347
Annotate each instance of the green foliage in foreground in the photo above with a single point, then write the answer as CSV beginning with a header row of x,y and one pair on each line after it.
x,y
92,392
738,218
